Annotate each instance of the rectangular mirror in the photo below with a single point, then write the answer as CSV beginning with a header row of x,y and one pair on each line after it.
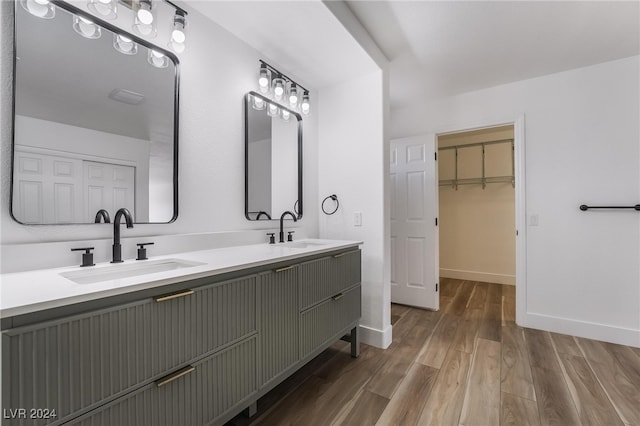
x,y
273,159
95,120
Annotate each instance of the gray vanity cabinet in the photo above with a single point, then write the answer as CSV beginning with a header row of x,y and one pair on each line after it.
x,y
195,395
76,363
278,322
193,356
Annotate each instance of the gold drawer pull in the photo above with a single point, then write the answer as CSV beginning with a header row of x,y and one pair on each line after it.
x,y
285,269
174,376
338,296
173,296
336,256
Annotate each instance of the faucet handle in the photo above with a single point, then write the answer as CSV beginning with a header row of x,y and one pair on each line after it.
x,y
142,251
87,256
290,236
272,237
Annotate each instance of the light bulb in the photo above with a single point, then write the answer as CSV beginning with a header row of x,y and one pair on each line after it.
x,y
304,106
144,22
144,14
85,27
273,110
124,45
40,8
286,115
104,8
293,96
157,59
263,79
258,103
178,36
278,88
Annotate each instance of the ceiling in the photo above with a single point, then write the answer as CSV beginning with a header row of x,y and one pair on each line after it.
x,y
441,48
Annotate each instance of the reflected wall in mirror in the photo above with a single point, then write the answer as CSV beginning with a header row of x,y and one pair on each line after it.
x,y
94,127
273,159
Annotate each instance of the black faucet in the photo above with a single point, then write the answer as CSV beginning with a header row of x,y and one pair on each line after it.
x,y
102,214
282,224
117,248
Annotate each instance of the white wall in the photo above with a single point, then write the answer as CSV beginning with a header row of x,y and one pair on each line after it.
x,y
217,69
582,138
352,163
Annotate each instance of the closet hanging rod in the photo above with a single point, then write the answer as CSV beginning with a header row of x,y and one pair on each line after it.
x,y
584,207
469,145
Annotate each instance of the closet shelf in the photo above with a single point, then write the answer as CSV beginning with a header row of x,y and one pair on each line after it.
x,y
482,180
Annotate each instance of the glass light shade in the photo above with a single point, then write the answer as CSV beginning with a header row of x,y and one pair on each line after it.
x,y
107,9
293,95
85,27
40,8
264,77
286,115
304,106
278,88
144,22
125,45
258,103
273,110
157,59
178,33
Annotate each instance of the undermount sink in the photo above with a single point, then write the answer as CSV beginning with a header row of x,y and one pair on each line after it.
x,y
305,244
114,272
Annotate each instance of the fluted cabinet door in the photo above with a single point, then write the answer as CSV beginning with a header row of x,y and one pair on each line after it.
x,y
80,362
278,322
196,395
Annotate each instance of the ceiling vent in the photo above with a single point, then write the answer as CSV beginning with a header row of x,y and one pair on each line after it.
x,y
126,96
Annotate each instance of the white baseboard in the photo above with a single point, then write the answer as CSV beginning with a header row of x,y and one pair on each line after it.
x,y
589,330
478,276
374,337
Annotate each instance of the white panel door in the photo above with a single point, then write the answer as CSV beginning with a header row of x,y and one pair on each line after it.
x,y
108,186
47,188
414,233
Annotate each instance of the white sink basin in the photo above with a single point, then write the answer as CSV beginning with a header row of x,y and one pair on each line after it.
x,y
95,275
304,244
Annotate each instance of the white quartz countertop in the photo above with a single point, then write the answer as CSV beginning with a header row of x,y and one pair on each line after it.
x,y
32,291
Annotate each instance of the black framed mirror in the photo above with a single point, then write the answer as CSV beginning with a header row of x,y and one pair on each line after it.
x,y
95,120
273,159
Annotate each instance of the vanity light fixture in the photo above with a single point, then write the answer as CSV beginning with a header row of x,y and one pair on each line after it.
x,y
106,9
279,85
144,21
157,59
124,44
286,115
40,8
85,27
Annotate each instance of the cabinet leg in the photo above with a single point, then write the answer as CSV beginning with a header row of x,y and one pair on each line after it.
x,y
355,342
252,409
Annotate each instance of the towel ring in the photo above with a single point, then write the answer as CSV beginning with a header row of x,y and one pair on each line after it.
x,y
333,197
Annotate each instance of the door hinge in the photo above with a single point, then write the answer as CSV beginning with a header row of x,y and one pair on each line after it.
x,y
436,221
435,155
516,232
436,287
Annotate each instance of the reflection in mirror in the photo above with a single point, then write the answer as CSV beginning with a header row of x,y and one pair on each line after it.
x,y
95,127
273,159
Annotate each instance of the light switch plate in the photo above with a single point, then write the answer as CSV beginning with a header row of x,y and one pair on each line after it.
x,y
357,219
533,220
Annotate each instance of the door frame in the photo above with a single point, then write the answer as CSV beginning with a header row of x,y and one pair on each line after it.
x,y
518,123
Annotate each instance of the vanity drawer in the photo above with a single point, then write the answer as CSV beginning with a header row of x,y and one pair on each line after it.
x,y
78,362
323,278
320,324
196,394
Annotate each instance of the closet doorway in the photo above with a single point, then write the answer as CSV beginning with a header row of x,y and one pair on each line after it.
x,y
477,209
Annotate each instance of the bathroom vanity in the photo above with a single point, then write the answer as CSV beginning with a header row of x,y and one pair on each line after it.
x,y
193,345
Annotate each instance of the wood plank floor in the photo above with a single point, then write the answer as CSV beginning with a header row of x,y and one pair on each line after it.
x,y
467,364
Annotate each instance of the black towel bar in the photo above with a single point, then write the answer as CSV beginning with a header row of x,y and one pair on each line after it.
x,y
584,207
